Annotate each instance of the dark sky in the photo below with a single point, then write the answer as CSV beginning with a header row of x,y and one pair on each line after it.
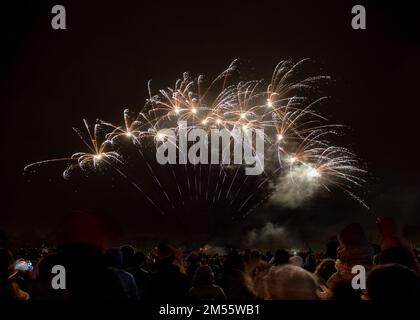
x,y
52,79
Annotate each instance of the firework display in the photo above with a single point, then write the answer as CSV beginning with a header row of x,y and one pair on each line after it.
x,y
300,151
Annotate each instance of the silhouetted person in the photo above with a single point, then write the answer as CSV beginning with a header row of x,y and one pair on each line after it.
x,y
167,283
392,282
204,287
140,274
281,256
325,270
81,239
395,248
127,253
235,283
193,261
354,249
290,282
114,262
331,248
310,262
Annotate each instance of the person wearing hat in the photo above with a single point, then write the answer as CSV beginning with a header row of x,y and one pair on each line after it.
x,y
354,249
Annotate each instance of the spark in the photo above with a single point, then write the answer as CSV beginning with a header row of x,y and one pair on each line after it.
x,y
279,107
311,172
160,136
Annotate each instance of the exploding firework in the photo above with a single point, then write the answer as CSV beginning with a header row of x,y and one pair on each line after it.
x,y
299,143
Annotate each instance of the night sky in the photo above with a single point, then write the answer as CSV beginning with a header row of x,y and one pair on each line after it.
x,y
51,79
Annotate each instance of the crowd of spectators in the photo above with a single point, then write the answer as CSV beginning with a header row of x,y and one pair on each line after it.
x,y
96,272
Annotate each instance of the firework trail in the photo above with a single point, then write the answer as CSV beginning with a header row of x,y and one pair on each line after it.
x,y
299,142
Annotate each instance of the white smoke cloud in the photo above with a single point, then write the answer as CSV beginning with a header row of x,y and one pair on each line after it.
x,y
269,236
214,249
295,188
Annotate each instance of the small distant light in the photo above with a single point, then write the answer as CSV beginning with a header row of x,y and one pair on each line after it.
x,y
128,134
292,159
269,103
194,110
280,137
98,156
243,115
177,110
218,121
204,122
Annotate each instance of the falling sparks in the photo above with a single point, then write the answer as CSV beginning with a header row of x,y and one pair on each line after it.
x,y
298,138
